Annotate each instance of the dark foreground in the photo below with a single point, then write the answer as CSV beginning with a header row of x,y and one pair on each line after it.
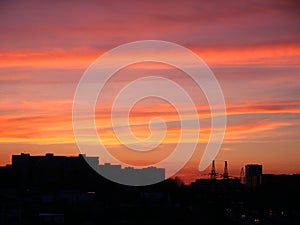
x,y
41,194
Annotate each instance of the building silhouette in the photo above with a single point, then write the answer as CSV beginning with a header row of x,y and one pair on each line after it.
x,y
50,170
130,175
253,175
60,171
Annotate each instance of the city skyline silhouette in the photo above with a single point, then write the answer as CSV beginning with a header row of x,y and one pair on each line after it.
x,y
66,190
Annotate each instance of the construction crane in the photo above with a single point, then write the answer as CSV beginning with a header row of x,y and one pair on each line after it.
x,y
225,174
213,174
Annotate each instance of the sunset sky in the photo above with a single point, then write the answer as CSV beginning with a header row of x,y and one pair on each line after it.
x,y
252,48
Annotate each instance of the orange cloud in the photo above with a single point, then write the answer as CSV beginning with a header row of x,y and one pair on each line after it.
x,y
48,58
50,122
271,55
